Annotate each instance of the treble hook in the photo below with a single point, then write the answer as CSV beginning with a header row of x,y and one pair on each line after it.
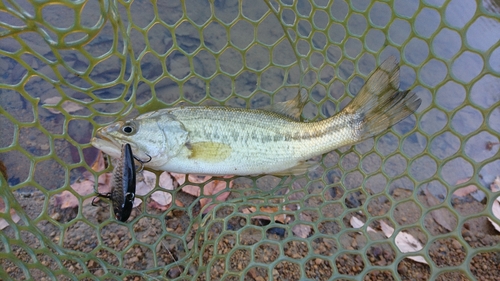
x,y
107,195
141,167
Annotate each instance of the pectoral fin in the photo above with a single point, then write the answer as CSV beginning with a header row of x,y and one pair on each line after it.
x,y
209,151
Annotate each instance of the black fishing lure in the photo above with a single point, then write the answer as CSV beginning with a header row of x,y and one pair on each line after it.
x,y
122,193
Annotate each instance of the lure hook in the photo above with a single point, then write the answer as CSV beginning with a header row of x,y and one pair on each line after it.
x,y
107,195
141,167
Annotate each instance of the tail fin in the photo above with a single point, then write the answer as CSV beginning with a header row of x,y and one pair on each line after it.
x,y
379,104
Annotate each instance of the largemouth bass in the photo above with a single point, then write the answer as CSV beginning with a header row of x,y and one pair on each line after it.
x,y
234,141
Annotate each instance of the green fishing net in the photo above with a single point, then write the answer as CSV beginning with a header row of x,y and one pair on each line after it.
x,y
417,202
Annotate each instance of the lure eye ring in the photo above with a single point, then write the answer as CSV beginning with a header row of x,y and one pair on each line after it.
x,y
129,197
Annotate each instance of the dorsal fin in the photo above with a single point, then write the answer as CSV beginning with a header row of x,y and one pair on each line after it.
x,y
290,108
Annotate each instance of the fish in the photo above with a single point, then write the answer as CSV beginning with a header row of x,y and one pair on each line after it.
x,y
218,140
123,185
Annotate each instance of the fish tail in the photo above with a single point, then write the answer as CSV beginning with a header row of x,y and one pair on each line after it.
x,y
379,104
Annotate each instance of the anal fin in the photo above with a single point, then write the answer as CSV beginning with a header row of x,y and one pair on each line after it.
x,y
301,168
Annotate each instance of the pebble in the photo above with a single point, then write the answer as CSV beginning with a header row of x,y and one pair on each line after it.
x,y
456,245
174,272
56,216
402,269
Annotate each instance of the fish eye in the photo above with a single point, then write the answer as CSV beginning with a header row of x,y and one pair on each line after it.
x,y
128,129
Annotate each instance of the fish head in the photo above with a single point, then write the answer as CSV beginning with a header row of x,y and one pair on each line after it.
x,y
142,137
147,136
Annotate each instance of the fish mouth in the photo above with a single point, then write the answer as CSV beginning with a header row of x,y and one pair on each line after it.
x,y
102,142
101,136
103,133
111,143
107,146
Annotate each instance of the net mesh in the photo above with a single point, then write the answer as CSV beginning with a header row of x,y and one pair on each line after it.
x,y
70,67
